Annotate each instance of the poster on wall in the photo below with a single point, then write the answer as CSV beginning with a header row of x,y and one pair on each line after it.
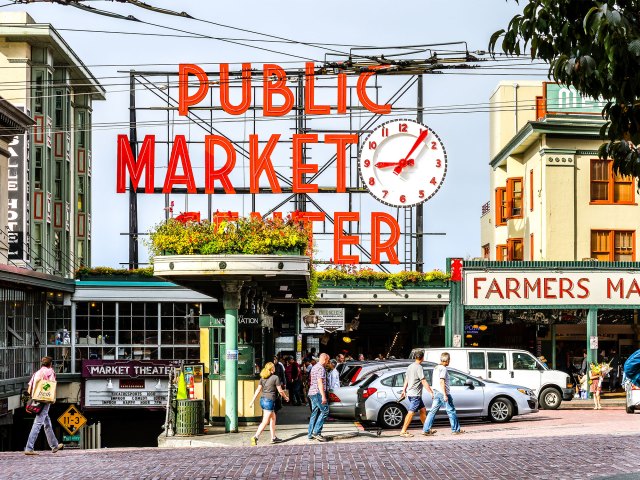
x,y
321,320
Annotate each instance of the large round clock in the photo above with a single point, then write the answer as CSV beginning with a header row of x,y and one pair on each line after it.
x,y
402,163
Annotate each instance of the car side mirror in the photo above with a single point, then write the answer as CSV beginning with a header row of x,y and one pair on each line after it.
x,y
469,383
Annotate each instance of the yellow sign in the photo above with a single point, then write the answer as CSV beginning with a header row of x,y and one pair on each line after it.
x,y
72,420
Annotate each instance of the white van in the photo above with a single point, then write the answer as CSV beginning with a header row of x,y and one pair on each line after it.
x,y
516,367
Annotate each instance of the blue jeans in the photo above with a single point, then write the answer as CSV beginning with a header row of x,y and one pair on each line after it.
x,y
438,401
42,419
319,413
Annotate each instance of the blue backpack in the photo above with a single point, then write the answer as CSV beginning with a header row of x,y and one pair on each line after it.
x,y
632,368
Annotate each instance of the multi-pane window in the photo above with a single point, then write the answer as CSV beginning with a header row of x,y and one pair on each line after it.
x,y
57,188
501,206
613,246
502,253
486,251
180,330
38,92
514,198
515,249
37,243
609,187
81,193
37,168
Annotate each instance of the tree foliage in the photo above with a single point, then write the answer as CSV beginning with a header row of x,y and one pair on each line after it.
x,y
593,46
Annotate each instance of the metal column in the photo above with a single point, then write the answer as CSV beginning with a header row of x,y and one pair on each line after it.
x,y
592,331
231,303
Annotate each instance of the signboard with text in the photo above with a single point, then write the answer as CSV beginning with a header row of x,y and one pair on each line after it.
x,y
550,288
126,368
321,320
562,99
18,193
107,393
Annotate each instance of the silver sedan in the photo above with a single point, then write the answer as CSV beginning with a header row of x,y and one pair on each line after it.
x,y
379,398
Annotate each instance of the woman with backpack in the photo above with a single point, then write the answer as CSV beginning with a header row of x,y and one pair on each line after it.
x,y
42,418
270,387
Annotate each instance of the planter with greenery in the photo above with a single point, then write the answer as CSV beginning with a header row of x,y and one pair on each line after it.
x,y
366,278
244,236
114,274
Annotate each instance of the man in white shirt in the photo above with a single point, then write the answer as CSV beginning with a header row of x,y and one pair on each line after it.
x,y
442,396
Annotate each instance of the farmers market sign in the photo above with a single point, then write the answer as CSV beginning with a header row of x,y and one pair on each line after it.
x,y
510,289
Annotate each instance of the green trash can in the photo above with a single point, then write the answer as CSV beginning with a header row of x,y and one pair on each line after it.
x,y
190,417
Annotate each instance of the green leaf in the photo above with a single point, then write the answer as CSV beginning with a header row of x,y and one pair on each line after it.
x,y
634,47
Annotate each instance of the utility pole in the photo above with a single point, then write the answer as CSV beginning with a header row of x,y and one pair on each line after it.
x,y
133,199
420,208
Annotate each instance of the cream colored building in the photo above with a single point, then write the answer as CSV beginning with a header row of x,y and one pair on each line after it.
x,y
49,204
552,198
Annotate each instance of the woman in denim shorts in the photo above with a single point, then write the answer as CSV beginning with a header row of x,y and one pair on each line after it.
x,y
270,387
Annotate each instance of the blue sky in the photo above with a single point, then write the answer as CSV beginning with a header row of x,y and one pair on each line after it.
x,y
455,210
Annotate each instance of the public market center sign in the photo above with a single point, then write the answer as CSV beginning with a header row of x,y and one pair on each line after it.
x,y
278,100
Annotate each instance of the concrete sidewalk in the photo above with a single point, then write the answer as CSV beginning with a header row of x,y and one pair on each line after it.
x,y
293,422
291,427
617,399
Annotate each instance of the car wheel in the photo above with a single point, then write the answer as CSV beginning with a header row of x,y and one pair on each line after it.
x,y
500,410
392,415
630,410
550,399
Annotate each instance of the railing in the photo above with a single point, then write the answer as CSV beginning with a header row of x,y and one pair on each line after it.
x,y
486,208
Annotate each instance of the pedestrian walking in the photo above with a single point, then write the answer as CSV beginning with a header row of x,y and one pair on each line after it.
x,y
269,387
318,398
614,375
595,378
42,418
413,382
442,389
334,377
294,379
280,371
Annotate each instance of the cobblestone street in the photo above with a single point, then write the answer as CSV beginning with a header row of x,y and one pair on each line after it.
x,y
458,458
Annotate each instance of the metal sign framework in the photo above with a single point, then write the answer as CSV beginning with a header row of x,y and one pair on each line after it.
x,y
155,92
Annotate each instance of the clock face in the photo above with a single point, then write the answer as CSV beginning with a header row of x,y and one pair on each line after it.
x,y
402,163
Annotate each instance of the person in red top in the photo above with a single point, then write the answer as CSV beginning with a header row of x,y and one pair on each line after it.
x,y
45,373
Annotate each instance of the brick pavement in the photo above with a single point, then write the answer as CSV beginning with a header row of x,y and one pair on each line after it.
x,y
461,457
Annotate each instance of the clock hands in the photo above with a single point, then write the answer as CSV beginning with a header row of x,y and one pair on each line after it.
x,y
409,163
405,161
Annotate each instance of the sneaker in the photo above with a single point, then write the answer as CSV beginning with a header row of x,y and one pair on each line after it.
x,y
57,448
320,438
276,440
254,442
428,433
309,438
30,452
459,432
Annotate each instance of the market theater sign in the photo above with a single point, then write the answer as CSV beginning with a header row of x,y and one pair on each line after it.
x,y
510,289
220,154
